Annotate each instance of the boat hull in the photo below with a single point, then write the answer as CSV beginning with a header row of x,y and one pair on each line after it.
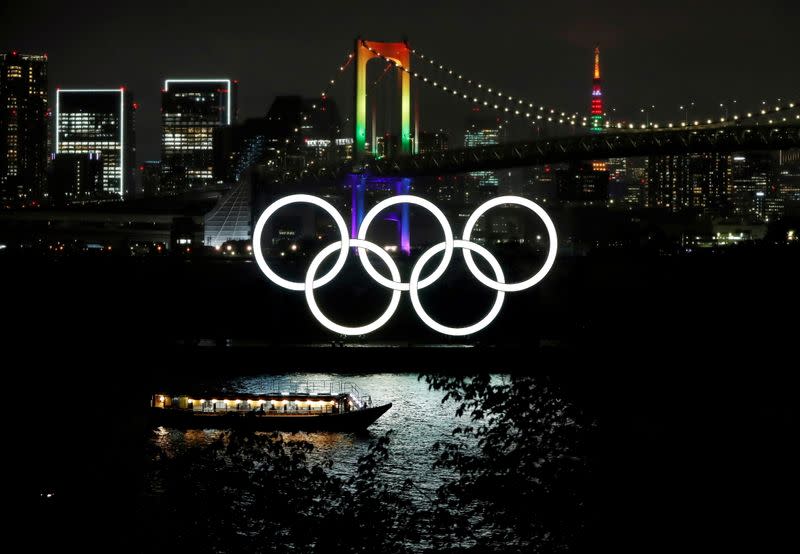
x,y
349,421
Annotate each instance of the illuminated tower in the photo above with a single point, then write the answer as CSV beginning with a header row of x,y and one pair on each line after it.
x,y
99,122
400,53
191,110
23,126
597,95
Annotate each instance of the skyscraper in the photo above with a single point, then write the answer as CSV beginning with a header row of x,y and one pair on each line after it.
x,y
483,130
99,122
191,109
597,123
74,178
302,130
23,126
582,183
698,182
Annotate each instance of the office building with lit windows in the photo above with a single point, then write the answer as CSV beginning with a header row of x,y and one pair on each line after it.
x,y
483,130
191,111
23,127
697,182
99,122
754,181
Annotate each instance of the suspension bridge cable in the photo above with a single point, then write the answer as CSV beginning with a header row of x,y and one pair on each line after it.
x,y
342,68
530,115
700,123
538,114
722,121
497,95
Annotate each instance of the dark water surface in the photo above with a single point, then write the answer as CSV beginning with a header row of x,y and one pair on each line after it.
x,y
688,365
417,420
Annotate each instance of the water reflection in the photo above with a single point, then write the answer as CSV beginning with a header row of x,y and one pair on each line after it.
x,y
418,419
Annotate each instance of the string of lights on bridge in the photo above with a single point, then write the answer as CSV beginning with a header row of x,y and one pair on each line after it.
x,y
332,82
554,114
748,115
548,114
537,114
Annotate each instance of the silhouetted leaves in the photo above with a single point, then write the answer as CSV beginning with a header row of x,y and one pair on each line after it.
x,y
515,487
518,482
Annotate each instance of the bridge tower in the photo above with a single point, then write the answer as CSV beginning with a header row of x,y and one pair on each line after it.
x,y
399,52
597,96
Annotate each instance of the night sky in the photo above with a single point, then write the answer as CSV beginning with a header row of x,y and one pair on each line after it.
x,y
663,54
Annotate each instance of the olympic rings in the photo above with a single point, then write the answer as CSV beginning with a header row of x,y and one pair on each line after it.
x,y
455,331
396,285
551,233
335,327
431,207
293,199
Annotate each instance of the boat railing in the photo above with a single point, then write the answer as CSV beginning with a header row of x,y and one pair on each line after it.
x,y
361,398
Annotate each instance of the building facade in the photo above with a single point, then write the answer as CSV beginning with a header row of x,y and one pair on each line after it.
x,y
483,130
23,127
433,142
99,122
191,111
74,178
582,183
150,178
305,130
698,182
754,185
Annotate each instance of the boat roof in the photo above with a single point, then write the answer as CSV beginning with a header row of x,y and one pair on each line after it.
x,y
247,396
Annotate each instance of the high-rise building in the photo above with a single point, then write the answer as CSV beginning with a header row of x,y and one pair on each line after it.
x,y
304,130
23,127
540,183
483,130
698,182
596,111
150,177
191,110
636,190
99,122
74,178
431,142
754,177
582,183
789,182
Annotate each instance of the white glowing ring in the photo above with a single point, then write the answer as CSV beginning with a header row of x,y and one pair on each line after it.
x,y
293,199
335,327
406,199
455,331
551,233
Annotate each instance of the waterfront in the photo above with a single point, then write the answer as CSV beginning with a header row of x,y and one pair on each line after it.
x,y
663,434
417,420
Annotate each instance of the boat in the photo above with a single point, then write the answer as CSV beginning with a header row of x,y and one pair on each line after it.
x,y
284,406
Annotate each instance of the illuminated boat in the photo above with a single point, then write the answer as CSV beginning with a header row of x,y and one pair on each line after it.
x,y
307,406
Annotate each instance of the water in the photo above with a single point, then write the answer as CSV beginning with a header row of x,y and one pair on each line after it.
x,y
418,419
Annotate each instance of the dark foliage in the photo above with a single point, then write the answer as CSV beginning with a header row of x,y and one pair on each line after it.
x,y
516,472
519,476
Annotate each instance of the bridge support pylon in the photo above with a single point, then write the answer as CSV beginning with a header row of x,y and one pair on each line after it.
x,y
399,52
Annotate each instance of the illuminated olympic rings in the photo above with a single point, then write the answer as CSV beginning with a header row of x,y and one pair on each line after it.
x,y
396,285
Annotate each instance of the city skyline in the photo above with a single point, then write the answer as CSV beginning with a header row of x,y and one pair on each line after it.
x,y
421,278
642,64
